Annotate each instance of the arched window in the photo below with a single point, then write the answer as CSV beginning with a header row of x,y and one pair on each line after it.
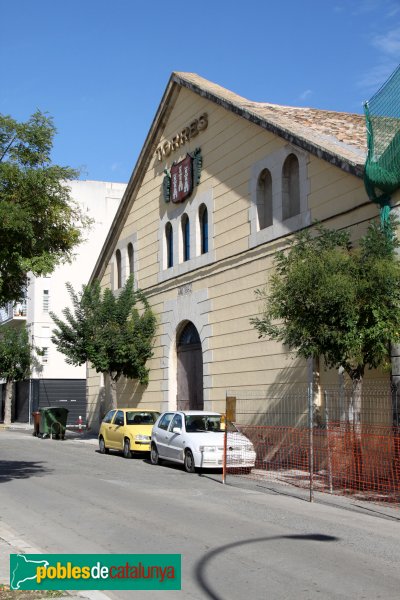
x,y
203,218
130,258
169,238
264,199
119,268
290,187
186,237
189,335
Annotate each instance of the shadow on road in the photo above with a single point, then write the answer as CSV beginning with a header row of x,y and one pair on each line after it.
x,y
21,469
200,568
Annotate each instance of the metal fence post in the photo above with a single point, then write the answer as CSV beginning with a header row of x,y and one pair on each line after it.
x,y
311,438
225,450
328,443
230,415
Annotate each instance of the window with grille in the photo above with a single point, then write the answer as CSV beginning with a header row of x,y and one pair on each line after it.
x,y
118,261
203,216
46,300
130,258
169,238
186,237
45,355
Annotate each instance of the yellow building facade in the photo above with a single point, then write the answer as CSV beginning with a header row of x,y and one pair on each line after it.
x,y
264,172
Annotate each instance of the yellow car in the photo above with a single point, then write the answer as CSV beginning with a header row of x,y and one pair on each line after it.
x,y
127,430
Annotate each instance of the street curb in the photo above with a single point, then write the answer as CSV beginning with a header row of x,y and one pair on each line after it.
x,y
19,546
17,427
71,435
9,536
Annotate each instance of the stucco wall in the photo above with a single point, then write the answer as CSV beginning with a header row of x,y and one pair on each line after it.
x,y
99,200
219,296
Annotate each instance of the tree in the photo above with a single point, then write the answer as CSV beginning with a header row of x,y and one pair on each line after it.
x,y
39,223
16,358
108,331
327,299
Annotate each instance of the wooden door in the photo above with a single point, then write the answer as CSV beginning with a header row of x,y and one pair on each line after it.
x,y
190,370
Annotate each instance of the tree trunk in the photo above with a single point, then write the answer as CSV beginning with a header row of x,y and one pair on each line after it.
x,y
111,390
8,403
395,380
357,382
314,383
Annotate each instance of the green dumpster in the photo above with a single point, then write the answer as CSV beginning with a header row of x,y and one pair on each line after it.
x,y
53,422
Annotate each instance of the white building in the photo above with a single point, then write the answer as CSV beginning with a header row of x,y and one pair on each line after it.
x,y
56,382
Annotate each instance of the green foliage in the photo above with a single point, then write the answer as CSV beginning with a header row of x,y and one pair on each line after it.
x,y
108,331
39,223
15,354
327,299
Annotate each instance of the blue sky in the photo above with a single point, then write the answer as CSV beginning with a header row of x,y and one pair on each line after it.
x,y
100,67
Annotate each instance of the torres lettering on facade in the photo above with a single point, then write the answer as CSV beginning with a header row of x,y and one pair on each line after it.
x,y
180,139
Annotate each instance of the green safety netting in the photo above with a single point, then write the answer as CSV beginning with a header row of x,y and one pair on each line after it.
x,y
382,167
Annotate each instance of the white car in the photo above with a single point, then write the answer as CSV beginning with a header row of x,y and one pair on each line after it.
x,y
196,440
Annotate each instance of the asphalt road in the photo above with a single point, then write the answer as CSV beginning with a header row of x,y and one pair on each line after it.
x,y
236,543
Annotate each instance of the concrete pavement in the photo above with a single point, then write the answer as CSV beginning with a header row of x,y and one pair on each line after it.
x,y
235,541
11,543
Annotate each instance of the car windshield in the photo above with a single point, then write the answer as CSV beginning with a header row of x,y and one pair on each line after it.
x,y
201,423
141,418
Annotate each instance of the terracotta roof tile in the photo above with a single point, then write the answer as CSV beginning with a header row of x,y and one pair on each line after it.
x,y
342,135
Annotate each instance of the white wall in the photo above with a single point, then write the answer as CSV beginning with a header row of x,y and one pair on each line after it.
x,y
100,199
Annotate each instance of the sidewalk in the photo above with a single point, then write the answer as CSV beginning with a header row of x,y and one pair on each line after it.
x,y
10,543
86,436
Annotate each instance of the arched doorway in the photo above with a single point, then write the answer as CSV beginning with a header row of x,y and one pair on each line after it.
x,y
189,369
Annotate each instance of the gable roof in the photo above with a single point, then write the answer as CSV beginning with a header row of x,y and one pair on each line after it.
x,y
339,138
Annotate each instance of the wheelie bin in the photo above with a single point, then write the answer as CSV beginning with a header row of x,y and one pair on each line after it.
x,y
36,423
53,422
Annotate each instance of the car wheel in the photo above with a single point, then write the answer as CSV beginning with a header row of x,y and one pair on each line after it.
x,y
189,462
127,449
102,446
154,456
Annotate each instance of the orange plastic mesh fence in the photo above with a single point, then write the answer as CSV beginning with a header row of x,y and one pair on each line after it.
x,y
342,462
362,460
